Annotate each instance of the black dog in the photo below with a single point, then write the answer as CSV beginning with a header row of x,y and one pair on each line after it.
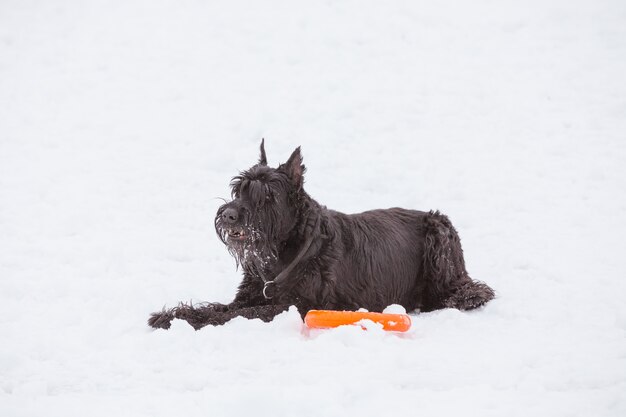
x,y
296,252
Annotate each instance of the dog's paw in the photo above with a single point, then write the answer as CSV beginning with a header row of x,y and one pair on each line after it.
x,y
468,303
161,320
472,295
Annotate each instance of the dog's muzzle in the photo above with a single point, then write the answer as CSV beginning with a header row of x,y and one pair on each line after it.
x,y
228,223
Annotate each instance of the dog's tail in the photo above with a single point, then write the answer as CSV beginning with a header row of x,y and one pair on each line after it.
x,y
448,283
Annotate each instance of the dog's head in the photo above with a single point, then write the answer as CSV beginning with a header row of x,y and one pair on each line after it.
x,y
264,209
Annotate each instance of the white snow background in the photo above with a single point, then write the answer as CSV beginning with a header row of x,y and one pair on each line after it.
x,y
121,123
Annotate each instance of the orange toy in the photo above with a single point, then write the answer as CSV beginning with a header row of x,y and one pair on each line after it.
x,y
324,319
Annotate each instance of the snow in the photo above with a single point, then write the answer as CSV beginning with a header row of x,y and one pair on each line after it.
x,y
395,309
121,124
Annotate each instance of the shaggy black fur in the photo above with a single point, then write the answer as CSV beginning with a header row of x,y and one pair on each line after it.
x,y
294,251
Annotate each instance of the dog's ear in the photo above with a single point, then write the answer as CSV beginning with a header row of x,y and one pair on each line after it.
x,y
294,168
263,157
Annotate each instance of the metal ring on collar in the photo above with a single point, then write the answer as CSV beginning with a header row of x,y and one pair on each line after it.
x,y
265,289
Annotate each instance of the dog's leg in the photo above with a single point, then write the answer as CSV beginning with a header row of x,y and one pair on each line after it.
x,y
249,302
448,283
163,319
204,315
199,318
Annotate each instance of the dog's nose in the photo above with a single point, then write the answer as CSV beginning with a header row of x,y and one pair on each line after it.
x,y
230,215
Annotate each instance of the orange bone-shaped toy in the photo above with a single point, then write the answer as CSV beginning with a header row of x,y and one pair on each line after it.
x,y
324,319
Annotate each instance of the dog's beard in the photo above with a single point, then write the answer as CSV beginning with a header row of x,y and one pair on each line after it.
x,y
249,245
253,250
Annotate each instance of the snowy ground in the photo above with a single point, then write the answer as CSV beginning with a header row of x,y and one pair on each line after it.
x,y
122,122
